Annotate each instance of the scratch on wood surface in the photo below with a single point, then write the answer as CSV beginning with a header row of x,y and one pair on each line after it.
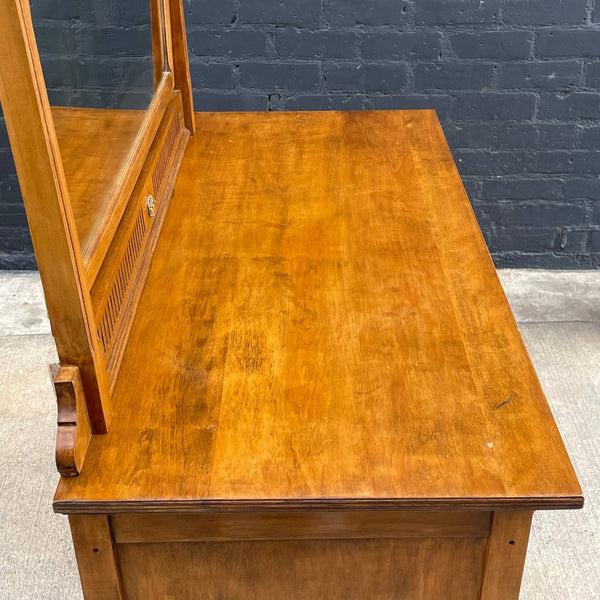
x,y
503,403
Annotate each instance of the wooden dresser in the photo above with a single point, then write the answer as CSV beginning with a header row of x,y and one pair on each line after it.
x,y
288,368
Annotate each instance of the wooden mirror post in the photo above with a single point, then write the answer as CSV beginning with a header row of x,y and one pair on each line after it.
x,y
51,221
91,298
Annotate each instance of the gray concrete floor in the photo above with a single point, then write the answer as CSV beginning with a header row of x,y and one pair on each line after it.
x,y
559,317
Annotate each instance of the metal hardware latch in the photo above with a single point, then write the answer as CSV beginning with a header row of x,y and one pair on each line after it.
x,y
151,205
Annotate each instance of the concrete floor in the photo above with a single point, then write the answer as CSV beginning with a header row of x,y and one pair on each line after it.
x,y
558,314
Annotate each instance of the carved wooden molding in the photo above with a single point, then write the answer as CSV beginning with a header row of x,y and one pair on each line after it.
x,y
74,431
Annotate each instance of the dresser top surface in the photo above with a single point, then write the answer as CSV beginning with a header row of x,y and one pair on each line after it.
x,y
322,325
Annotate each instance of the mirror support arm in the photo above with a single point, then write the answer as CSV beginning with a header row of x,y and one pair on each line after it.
x,y
44,189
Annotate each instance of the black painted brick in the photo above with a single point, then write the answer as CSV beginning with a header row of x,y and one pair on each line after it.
x,y
116,41
385,78
4,141
220,102
571,42
132,12
398,45
590,138
212,76
544,12
7,165
492,44
573,240
280,76
492,106
529,214
280,12
554,75
576,105
298,43
14,238
365,76
469,135
592,74
561,161
473,189
522,189
55,38
542,260
503,75
20,261
456,12
56,10
580,188
556,136
227,43
328,102
345,76
521,135
453,76
359,12
209,12
524,239
100,73
486,162
13,215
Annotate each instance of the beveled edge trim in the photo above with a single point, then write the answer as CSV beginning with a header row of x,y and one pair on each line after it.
x,y
216,505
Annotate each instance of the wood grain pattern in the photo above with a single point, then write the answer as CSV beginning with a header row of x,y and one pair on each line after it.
x,y
507,549
407,569
49,213
325,344
298,524
74,431
96,557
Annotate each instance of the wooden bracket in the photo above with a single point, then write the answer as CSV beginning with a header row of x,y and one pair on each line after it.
x,y
74,431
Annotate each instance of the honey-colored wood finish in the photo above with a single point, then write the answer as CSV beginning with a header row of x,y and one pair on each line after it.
x,y
507,549
406,569
298,524
180,63
335,335
74,431
96,557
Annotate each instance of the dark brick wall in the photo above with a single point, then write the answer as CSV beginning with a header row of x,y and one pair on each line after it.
x,y
516,84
